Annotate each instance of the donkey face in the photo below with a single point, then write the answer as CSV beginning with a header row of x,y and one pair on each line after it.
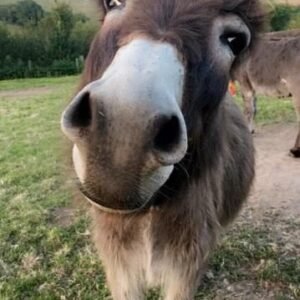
x,y
155,71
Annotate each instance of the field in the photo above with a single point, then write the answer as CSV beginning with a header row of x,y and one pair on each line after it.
x,y
45,250
82,6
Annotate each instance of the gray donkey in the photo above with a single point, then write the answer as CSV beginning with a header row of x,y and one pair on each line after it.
x,y
271,68
160,150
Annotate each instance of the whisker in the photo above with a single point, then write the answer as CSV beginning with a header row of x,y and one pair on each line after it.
x,y
165,186
184,170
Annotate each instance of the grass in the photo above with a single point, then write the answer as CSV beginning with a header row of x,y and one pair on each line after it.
x,y
37,256
272,111
45,249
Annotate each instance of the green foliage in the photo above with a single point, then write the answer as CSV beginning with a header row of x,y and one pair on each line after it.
x,y
4,40
295,22
22,13
81,36
63,21
55,44
283,17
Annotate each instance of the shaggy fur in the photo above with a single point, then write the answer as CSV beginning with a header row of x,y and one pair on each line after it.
x,y
168,243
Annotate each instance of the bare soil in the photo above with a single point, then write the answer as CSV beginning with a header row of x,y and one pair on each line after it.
x,y
25,93
277,184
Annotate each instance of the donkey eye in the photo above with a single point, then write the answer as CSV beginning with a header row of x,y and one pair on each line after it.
x,y
112,4
236,41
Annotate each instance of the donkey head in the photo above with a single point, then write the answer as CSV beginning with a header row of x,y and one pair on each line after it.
x,y
156,74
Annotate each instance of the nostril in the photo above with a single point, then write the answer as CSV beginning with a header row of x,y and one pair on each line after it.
x,y
168,134
79,113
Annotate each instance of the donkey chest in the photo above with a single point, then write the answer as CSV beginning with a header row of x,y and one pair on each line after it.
x,y
134,252
154,261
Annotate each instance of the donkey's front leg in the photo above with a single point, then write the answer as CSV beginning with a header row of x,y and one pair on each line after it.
x,y
181,281
125,284
296,99
250,108
181,287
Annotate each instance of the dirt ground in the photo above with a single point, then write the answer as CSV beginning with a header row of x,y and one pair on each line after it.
x,y
274,206
25,93
277,184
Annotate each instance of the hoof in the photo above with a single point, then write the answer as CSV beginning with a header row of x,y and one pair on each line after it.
x,y
295,152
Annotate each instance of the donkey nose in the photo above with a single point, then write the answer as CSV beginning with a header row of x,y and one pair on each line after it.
x,y
169,143
160,130
78,115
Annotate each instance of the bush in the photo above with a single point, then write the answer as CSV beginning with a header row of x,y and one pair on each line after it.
x,y
283,16
22,13
295,22
55,46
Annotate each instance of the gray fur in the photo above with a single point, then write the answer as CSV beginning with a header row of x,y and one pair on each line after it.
x,y
271,68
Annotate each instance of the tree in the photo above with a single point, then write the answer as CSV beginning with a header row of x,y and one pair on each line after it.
x,y
29,11
4,42
63,21
283,15
81,37
23,13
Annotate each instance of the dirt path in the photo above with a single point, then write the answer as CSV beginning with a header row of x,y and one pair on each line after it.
x,y
25,93
277,183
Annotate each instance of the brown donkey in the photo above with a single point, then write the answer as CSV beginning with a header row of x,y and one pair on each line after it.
x,y
160,150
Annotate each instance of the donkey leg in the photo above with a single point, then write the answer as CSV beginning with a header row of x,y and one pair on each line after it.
x,y
182,273
250,108
124,285
124,270
123,258
182,284
296,149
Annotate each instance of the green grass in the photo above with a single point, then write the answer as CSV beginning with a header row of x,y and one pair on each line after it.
x,y
44,258
38,258
65,83
270,111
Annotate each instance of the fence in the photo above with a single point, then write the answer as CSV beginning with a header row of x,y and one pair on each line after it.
x,y
19,69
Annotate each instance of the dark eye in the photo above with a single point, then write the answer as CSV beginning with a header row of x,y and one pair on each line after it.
x,y
112,4
236,41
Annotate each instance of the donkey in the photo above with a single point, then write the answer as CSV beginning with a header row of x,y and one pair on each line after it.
x,y
160,150
276,35
271,68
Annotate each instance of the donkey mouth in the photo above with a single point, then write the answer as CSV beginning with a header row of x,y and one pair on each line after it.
x,y
131,204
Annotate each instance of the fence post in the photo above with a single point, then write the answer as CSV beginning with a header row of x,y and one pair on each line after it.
x,y
29,64
77,65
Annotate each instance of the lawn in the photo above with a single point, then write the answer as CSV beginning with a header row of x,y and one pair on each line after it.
x,y
45,249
